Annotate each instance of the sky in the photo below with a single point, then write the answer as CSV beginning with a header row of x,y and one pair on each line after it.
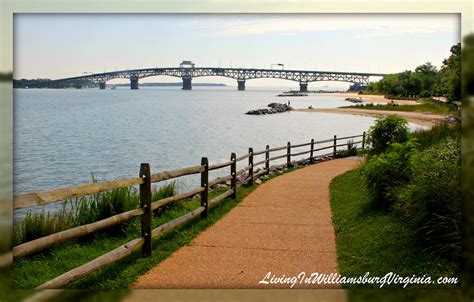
x,y
65,45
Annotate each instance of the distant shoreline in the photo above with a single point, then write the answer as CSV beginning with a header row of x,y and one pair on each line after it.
x,y
171,84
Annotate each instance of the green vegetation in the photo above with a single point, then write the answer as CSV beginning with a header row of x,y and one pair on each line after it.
x,y
468,161
84,210
375,241
350,151
386,173
34,270
426,105
402,208
425,81
386,131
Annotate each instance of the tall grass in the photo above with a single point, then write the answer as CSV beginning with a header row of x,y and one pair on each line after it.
x,y
350,151
84,210
438,133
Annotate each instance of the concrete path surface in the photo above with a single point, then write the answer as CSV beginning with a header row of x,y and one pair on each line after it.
x,y
284,227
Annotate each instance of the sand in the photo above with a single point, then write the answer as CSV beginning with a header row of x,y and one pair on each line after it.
x,y
372,98
420,118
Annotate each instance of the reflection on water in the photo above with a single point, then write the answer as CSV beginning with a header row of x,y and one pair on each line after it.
x,y
62,136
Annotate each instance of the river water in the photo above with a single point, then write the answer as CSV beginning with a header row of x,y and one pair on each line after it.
x,y
63,136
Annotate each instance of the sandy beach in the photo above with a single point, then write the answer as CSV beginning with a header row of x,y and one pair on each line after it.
x,y
372,98
419,118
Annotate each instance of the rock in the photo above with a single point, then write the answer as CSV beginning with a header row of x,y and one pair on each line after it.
x,y
274,108
453,119
258,181
354,100
220,186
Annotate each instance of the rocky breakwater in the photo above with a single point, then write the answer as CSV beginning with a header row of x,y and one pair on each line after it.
x,y
354,100
274,108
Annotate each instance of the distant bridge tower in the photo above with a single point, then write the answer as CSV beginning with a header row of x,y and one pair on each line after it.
x,y
241,84
134,82
303,86
188,67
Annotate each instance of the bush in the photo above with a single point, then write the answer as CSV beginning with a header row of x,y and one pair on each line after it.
x,y
432,201
384,174
386,131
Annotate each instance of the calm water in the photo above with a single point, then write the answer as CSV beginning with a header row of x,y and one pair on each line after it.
x,y
62,136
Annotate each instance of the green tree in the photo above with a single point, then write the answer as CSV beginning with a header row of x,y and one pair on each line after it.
x,y
428,78
451,74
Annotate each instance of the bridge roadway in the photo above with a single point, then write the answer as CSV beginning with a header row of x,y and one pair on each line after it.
x,y
239,74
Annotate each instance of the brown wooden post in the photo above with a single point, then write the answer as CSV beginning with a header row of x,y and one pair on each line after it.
x,y
363,140
251,166
205,185
288,155
145,204
311,159
267,158
335,146
233,171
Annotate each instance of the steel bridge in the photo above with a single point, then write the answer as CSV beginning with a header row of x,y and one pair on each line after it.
x,y
188,72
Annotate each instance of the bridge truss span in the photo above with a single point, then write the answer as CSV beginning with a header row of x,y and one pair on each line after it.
x,y
240,74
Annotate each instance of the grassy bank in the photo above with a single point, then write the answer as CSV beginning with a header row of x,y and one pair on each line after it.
x,y
426,106
376,241
400,211
33,270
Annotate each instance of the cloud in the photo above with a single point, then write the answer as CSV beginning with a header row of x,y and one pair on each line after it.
x,y
368,25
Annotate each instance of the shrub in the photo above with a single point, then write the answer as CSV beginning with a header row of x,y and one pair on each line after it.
x,y
384,174
432,201
386,131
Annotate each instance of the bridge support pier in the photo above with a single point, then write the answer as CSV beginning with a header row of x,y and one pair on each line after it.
x,y
187,83
303,86
102,85
133,83
241,85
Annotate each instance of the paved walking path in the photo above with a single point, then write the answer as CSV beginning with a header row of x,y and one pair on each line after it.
x,y
283,227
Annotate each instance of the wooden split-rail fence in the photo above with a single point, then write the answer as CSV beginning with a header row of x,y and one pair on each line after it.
x,y
147,205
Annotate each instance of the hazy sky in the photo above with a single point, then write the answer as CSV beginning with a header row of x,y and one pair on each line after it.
x,y
64,45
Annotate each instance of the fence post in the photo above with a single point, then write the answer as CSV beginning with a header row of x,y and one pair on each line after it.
x,y
205,185
335,146
311,159
251,166
363,140
288,155
267,158
233,171
145,204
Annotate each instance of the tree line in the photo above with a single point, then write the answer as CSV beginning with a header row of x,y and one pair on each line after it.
x,y
426,81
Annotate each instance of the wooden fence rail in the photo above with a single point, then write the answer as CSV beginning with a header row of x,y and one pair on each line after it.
x,y
147,205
